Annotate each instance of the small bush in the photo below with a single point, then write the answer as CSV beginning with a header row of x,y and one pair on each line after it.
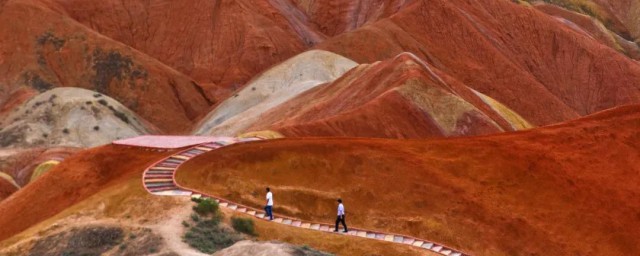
x,y
206,207
195,217
208,237
185,224
243,225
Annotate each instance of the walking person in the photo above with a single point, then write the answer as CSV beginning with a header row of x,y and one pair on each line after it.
x,y
269,208
340,218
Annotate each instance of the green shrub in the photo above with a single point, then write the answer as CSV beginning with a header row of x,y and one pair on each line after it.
x,y
243,225
206,207
185,224
208,237
195,217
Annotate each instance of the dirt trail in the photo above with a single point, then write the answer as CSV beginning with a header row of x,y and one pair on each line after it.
x,y
171,230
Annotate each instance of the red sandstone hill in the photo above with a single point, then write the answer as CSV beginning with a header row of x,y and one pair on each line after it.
x,y
225,43
533,63
43,48
569,189
403,97
622,16
218,43
334,17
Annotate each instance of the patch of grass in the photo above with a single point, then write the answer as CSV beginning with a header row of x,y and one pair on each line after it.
x,y
208,237
243,225
206,207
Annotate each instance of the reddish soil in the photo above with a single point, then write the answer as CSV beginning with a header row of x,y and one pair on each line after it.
x,y
334,17
531,62
569,189
57,51
6,189
73,180
399,98
591,27
623,16
17,159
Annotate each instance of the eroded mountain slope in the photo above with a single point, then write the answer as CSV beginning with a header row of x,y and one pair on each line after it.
x,y
533,63
403,97
43,48
569,189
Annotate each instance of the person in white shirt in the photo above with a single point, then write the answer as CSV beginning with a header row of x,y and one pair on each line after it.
x,y
340,218
269,208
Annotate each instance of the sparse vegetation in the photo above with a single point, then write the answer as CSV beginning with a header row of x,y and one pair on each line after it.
x,y
120,115
208,237
243,225
206,207
112,65
93,240
205,233
36,82
50,38
305,250
195,217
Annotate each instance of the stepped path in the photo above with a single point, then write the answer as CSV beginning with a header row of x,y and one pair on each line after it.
x,y
159,179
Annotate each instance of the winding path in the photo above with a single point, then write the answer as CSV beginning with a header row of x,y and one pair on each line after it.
x,y
159,179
